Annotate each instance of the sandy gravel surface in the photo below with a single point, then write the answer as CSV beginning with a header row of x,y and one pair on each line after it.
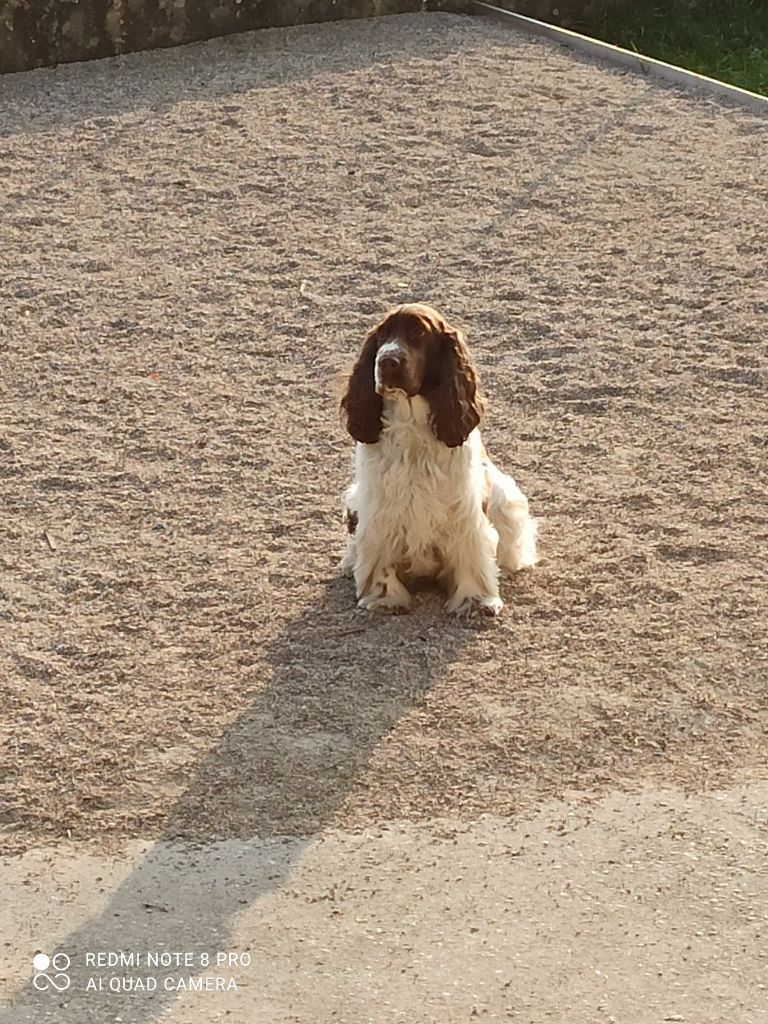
x,y
560,816
193,243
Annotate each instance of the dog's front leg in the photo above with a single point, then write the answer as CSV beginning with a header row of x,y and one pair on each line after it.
x,y
472,571
376,581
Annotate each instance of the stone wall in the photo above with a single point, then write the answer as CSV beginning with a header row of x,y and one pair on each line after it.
x,y
34,33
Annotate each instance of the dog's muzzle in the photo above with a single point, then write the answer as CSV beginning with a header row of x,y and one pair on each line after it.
x,y
391,368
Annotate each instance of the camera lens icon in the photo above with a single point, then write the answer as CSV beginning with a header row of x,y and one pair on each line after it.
x,y
51,972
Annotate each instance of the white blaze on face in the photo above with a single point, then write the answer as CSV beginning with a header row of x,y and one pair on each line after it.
x,y
390,348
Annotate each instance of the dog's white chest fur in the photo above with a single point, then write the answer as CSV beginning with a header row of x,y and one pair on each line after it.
x,y
413,490
420,508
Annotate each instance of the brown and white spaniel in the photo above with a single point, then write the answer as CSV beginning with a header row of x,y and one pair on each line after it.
x,y
426,500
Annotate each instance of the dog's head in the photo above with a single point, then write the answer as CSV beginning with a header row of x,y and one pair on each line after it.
x,y
414,351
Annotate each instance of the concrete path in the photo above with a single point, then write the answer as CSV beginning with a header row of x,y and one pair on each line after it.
x,y
645,908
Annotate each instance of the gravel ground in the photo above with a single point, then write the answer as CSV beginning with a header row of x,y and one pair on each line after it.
x,y
193,244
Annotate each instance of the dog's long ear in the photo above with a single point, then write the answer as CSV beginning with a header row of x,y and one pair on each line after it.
x,y
455,403
361,405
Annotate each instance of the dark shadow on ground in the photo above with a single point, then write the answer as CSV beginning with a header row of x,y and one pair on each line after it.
x,y
334,691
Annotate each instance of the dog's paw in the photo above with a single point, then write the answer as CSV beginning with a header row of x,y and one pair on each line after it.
x,y
474,606
389,595
387,604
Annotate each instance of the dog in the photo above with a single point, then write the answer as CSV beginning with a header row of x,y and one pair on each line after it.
x,y
426,500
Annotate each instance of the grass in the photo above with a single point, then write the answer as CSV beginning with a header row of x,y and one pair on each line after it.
x,y
727,40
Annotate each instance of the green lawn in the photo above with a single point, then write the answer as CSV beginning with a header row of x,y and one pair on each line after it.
x,y
726,40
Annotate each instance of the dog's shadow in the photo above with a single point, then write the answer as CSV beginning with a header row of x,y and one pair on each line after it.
x,y
340,680
337,681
